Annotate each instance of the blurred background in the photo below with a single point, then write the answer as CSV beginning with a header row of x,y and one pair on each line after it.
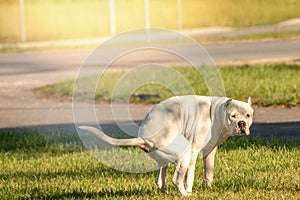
x,y
43,20
43,44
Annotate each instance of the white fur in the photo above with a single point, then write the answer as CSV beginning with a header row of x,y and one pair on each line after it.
x,y
177,129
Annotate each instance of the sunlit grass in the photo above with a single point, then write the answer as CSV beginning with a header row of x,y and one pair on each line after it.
x,y
37,165
66,19
9,22
268,85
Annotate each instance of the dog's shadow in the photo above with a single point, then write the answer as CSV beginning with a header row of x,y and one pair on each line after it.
x,y
270,135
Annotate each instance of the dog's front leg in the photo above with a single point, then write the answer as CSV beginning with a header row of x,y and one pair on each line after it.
x,y
208,161
191,170
161,177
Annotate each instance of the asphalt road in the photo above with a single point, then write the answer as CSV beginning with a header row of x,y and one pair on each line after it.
x,y
254,51
19,73
223,53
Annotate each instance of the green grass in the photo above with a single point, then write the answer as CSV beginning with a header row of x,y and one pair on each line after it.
x,y
268,85
37,165
69,19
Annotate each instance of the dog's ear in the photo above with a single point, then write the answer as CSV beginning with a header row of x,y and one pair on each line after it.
x,y
248,101
228,102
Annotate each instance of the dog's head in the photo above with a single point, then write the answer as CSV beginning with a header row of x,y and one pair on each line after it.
x,y
239,116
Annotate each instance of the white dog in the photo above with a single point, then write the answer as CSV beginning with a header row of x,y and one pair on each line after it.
x,y
177,129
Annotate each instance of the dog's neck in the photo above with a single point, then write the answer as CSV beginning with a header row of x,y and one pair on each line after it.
x,y
217,113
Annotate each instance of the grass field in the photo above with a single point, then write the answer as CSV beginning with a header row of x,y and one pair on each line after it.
x,y
56,166
69,19
263,90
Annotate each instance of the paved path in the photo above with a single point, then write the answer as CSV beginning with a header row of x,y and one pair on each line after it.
x,y
222,53
228,32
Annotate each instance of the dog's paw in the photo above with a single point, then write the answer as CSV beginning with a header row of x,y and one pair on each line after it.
x,y
163,191
207,183
189,191
186,194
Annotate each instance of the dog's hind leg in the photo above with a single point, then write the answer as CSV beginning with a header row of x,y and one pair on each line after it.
x,y
161,177
180,172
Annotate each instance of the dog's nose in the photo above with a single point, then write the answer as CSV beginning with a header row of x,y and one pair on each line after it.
x,y
242,124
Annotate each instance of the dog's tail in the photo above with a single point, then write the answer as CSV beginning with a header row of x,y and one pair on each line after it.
x,y
113,141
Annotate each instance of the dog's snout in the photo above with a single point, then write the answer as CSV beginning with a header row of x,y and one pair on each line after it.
x,y
242,124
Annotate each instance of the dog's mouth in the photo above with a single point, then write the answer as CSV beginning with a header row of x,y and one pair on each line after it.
x,y
242,131
241,128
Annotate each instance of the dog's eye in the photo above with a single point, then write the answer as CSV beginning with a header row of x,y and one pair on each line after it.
x,y
248,115
233,116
